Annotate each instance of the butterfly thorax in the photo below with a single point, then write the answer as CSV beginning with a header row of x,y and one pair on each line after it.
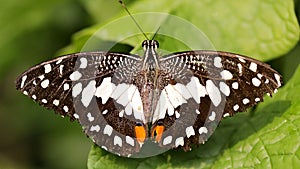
x,y
148,79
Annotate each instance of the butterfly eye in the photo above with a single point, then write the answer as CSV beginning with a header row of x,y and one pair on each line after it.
x,y
155,44
145,44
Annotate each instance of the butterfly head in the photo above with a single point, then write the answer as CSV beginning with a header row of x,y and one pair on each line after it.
x,y
150,44
150,60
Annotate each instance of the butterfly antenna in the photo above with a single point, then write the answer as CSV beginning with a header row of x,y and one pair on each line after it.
x,y
155,33
126,9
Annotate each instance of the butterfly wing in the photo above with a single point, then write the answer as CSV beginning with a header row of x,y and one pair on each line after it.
x,y
89,87
207,86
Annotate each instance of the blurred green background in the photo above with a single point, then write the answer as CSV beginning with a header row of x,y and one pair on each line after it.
x,y
33,31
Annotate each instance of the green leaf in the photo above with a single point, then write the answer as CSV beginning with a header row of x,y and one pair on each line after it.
x,y
267,137
263,29
275,139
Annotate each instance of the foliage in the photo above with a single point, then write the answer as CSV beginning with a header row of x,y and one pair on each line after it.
x,y
265,137
268,136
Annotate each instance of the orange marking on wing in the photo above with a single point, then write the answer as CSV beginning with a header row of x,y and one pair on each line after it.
x,y
157,133
140,133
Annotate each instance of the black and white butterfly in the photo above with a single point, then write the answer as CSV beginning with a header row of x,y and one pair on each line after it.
x,y
123,100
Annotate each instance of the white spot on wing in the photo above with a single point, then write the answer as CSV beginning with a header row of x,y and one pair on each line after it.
x,y
95,128
47,68
25,93
246,101
256,82
45,83
267,81
107,130
196,89
242,60
213,92
41,77
189,131
76,89
126,97
59,61
253,66
66,86
235,85
277,77
105,148
137,105
236,107
56,102
224,88
240,68
182,90
120,89
44,101
226,115
88,93
75,76
105,89
167,140
164,103
118,141
128,109
177,115
121,114
203,130
23,81
171,110
129,140
217,62
66,109
175,98
226,74
76,116
61,69
171,97
90,117
212,116
179,141
83,63
259,75
105,111
137,114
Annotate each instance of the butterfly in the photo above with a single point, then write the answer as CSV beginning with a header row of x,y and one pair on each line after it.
x,y
124,100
